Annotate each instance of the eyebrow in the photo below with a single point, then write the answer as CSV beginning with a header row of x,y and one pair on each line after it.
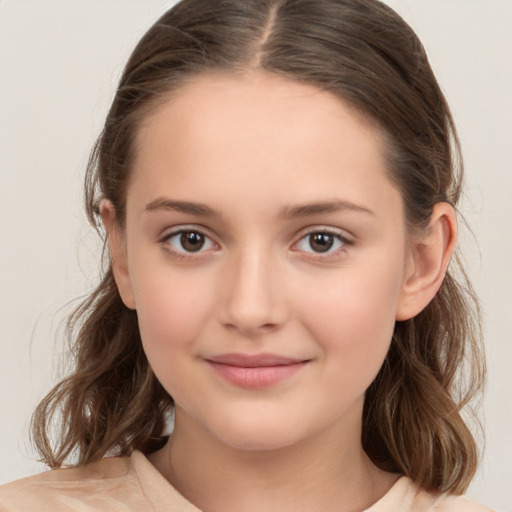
x,y
322,207
163,203
288,212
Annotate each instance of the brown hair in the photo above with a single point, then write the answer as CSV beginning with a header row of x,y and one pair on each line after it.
x,y
363,52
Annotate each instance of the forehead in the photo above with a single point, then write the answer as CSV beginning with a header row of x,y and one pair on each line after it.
x,y
256,105
220,135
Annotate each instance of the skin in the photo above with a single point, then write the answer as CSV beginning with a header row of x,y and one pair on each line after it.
x,y
253,149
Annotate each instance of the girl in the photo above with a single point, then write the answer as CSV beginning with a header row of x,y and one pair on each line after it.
x,y
277,181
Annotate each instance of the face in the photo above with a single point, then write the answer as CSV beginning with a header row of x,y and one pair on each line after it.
x,y
265,252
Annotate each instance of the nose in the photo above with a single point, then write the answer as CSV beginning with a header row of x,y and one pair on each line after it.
x,y
254,299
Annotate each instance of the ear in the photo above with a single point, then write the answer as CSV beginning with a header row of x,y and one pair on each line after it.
x,y
117,249
428,256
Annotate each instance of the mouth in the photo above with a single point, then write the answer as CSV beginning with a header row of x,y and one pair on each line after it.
x,y
255,371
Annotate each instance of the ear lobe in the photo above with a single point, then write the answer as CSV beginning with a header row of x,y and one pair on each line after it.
x,y
117,250
429,256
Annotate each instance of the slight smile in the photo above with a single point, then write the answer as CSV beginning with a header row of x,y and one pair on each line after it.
x,y
255,371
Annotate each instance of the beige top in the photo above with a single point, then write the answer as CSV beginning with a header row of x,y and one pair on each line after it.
x,y
132,484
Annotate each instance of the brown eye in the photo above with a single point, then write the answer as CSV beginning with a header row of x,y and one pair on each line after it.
x,y
192,241
318,242
188,241
321,242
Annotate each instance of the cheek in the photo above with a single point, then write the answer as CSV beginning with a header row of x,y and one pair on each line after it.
x,y
353,318
172,310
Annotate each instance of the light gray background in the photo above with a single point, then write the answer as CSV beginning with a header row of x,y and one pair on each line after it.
x,y
59,63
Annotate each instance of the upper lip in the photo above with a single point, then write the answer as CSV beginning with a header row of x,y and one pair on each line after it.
x,y
254,360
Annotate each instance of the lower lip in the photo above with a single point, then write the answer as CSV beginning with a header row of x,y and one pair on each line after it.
x,y
259,377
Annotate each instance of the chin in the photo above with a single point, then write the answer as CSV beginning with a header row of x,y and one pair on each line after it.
x,y
258,442
259,435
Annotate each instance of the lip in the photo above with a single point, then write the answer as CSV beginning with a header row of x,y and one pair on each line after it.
x,y
255,371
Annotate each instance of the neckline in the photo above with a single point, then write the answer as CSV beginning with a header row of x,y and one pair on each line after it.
x,y
161,493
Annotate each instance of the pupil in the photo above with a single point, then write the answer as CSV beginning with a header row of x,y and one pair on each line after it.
x,y
321,242
192,241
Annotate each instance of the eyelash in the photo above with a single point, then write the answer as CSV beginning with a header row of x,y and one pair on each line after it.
x,y
336,234
165,240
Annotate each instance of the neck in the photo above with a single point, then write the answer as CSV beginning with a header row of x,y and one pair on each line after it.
x,y
327,472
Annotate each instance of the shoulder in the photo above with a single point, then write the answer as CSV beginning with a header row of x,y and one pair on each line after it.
x,y
98,486
439,502
126,484
406,496
447,503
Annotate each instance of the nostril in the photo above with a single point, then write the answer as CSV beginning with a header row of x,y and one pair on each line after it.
x,y
249,330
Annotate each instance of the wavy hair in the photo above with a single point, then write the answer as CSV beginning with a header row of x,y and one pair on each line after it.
x,y
362,52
